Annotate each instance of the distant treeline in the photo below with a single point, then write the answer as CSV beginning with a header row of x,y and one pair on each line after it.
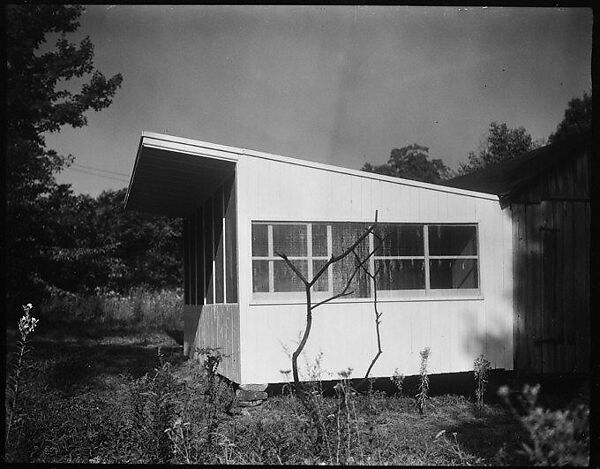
x,y
79,244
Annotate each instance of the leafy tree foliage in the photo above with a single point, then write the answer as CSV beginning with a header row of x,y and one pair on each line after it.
x,y
411,162
577,119
147,249
39,100
84,243
102,245
501,143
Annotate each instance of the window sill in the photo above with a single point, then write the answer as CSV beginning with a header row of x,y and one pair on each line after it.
x,y
403,299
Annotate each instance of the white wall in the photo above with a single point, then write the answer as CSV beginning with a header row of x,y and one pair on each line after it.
x,y
457,330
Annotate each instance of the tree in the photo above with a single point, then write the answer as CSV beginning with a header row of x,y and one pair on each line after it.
x,y
360,264
147,248
87,242
412,162
501,144
577,119
39,100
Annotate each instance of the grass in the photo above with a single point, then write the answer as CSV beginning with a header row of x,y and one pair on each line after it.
x,y
129,396
76,396
107,312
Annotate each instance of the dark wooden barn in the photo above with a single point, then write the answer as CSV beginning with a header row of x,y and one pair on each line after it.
x,y
548,194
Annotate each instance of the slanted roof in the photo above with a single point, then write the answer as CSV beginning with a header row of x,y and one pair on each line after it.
x,y
508,178
173,175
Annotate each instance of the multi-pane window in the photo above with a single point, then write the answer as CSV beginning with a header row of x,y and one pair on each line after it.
x,y
453,257
400,260
411,259
305,244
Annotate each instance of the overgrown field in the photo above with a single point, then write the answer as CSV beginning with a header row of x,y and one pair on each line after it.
x,y
107,387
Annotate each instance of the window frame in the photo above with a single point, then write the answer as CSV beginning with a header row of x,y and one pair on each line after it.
x,y
271,258
424,294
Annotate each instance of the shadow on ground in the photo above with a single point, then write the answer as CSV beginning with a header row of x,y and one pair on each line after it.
x,y
67,361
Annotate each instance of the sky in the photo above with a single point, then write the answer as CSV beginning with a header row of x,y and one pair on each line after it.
x,y
341,85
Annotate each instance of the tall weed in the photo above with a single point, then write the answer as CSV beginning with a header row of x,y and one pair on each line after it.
x,y
398,381
423,390
481,370
140,308
153,402
26,325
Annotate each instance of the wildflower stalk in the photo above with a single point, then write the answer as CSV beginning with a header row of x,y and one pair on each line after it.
x,y
423,380
481,369
26,326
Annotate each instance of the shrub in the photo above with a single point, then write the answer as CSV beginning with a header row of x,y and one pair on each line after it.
x,y
559,437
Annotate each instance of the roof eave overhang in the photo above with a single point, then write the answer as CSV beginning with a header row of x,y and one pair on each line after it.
x,y
173,178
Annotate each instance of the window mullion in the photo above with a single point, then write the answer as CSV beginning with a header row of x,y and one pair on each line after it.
x,y
372,263
224,245
329,255
309,245
271,254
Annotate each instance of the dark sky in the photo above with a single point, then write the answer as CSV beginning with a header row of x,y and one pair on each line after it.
x,y
339,85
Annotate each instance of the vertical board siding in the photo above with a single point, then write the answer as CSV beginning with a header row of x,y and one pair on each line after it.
x,y
581,305
551,231
561,346
508,284
214,326
457,330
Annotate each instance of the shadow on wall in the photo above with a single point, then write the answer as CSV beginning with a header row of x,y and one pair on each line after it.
x,y
551,286
493,344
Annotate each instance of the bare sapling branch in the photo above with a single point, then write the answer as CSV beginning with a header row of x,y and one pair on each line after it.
x,y
373,277
308,284
361,265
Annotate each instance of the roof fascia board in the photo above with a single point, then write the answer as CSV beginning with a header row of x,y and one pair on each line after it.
x,y
135,164
198,147
187,148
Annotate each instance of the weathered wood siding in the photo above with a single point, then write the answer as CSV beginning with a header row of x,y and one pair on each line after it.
x,y
456,329
214,326
551,239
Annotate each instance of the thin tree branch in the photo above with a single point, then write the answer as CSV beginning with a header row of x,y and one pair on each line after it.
x,y
345,292
377,313
339,257
304,396
335,297
302,343
293,267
